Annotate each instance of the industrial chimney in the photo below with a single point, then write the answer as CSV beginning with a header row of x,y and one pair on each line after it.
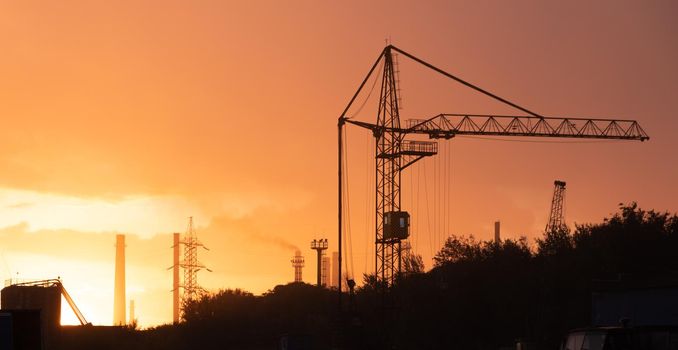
x,y
175,279
335,270
119,293
325,276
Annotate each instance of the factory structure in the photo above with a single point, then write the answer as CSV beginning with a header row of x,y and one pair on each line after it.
x,y
325,272
327,267
31,314
298,265
30,317
319,245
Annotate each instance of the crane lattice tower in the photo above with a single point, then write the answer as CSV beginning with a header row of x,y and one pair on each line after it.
x,y
190,264
557,217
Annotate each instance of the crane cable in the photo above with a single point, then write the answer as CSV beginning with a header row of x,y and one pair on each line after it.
x,y
369,94
451,169
446,197
428,211
368,216
446,218
348,262
411,205
436,215
368,190
416,219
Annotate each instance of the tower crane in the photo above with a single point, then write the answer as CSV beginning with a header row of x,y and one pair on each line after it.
x,y
557,215
394,153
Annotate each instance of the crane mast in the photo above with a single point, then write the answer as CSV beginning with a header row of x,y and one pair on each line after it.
x,y
387,164
394,153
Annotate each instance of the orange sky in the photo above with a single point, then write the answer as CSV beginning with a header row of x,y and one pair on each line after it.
x,y
129,117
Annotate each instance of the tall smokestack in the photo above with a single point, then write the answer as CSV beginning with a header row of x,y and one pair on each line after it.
x,y
175,280
325,278
335,270
497,235
119,293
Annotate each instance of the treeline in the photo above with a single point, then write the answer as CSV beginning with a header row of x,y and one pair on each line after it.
x,y
484,295
479,295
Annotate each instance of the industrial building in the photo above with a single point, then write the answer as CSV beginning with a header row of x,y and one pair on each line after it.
x,y
33,309
30,317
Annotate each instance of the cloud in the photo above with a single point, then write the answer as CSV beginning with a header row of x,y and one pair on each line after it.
x,y
19,205
274,240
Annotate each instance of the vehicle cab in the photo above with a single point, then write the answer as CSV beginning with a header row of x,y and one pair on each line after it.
x,y
622,338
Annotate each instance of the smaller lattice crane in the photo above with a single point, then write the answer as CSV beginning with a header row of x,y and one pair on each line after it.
x,y
557,216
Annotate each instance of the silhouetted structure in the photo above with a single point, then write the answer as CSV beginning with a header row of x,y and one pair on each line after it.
x,y
319,246
479,295
557,215
22,329
394,153
190,264
298,264
119,292
325,271
46,299
334,268
497,232
176,301
22,300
